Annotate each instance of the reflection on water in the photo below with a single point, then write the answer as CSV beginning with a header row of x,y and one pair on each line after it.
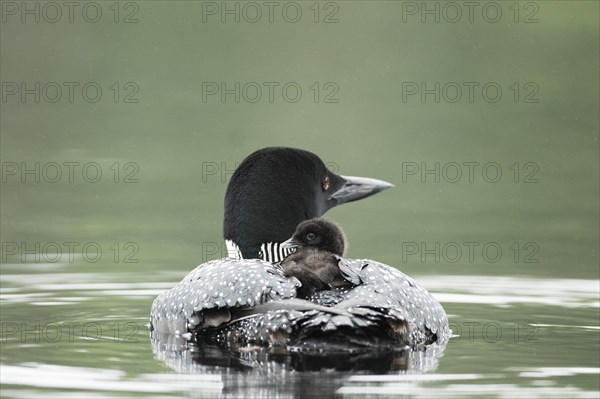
x,y
501,291
401,387
255,372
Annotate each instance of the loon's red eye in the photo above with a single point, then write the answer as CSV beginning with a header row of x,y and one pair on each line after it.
x,y
326,183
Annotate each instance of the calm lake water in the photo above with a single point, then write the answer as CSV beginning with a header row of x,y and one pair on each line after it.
x,y
486,123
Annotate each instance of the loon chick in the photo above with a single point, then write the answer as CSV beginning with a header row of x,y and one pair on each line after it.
x,y
245,299
319,243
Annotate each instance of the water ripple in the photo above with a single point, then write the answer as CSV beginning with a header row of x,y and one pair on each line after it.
x,y
64,377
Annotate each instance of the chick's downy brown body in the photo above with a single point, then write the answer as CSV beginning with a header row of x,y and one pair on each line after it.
x,y
315,264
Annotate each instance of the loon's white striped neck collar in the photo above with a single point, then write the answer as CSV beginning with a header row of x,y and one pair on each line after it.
x,y
271,252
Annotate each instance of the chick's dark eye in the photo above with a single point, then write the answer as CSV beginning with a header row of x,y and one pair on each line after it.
x,y
310,236
326,183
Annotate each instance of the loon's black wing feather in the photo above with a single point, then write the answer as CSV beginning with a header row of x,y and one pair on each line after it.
x,y
387,297
351,269
388,288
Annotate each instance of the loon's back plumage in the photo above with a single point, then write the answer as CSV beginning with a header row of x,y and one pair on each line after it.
x,y
249,302
218,284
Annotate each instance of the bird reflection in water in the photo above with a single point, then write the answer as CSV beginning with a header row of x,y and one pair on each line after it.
x,y
280,373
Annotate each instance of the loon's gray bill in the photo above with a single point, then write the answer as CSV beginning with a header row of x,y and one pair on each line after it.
x,y
357,188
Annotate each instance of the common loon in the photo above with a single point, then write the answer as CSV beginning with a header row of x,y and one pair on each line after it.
x,y
245,299
319,245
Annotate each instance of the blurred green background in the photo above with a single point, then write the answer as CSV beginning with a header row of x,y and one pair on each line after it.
x,y
368,55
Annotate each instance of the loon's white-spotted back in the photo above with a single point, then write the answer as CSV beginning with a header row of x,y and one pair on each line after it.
x,y
247,300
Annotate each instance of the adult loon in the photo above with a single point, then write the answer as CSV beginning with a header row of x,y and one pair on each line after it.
x,y
245,300
316,264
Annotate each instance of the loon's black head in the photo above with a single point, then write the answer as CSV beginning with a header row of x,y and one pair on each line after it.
x,y
318,233
276,188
